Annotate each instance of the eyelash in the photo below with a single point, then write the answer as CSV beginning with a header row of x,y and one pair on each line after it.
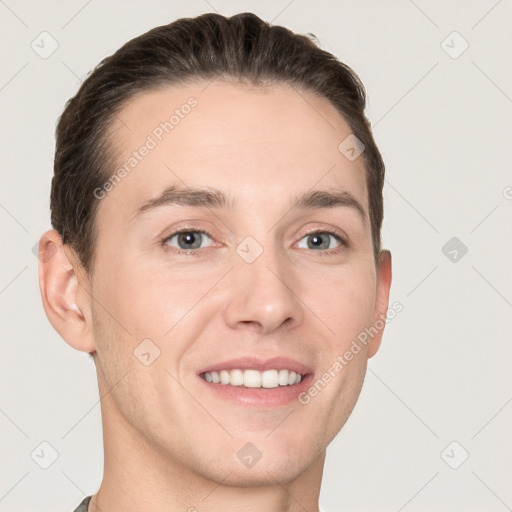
x,y
196,252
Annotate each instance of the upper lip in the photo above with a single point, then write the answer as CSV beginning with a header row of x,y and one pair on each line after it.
x,y
257,363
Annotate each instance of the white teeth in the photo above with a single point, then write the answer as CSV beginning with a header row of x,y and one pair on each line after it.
x,y
283,377
270,379
236,378
254,378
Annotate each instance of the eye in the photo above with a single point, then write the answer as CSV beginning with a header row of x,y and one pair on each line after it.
x,y
187,240
323,240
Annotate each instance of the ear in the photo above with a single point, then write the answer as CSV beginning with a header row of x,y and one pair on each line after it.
x,y
381,300
65,292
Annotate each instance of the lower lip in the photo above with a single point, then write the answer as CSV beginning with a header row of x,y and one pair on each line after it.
x,y
263,397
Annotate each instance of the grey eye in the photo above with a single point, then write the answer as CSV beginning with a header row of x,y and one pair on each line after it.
x,y
187,240
319,240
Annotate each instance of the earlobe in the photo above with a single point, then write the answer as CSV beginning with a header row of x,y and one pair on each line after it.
x,y
63,303
384,275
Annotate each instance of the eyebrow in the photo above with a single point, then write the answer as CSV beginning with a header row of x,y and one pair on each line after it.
x,y
208,197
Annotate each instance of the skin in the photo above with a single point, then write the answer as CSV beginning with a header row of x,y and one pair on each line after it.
x,y
165,450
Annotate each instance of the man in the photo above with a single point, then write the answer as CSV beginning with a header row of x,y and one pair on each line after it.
x,y
217,205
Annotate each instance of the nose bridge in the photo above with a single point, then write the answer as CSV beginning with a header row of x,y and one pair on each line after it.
x,y
262,292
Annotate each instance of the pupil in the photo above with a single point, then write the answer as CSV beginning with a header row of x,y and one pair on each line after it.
x,y
316,241
188,238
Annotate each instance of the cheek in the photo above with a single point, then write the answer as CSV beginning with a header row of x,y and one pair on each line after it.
x,y
144,302
345,304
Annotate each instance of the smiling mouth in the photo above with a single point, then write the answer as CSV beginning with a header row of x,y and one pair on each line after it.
x,y
253,378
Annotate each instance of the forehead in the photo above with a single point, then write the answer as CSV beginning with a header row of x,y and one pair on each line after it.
x,y
259,143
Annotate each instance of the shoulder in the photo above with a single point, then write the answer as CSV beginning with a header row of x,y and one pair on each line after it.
x,y
83,506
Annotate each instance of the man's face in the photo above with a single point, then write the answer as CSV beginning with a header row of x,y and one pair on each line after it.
x,y
255,279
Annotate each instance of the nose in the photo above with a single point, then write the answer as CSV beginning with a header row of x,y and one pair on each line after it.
x,y
263,294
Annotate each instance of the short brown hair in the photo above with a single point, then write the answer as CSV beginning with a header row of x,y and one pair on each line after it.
x,y
242,47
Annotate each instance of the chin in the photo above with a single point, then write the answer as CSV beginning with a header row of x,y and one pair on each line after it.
x,y
262,474
260,463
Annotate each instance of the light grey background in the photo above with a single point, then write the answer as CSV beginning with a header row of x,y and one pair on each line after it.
x,y
444,128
